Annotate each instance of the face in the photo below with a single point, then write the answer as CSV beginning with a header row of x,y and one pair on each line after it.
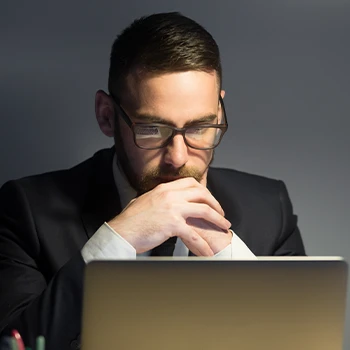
x,y
177,99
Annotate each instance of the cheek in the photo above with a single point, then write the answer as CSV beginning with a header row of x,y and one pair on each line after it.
x,y
143,160
200,159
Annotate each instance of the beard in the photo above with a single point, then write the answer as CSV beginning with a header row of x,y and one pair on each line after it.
x,y
157,175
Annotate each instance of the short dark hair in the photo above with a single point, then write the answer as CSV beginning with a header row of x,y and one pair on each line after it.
x,y
162,43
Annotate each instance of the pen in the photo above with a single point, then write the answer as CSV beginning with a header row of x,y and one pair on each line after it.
x,y
40,343
18,340
13,344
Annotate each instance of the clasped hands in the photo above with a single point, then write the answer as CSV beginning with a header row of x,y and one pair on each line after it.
x,y
183,208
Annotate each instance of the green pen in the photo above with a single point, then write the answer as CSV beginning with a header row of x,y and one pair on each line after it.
x,y
40,343
14,344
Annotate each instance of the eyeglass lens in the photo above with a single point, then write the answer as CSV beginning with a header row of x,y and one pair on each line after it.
x,y
151,136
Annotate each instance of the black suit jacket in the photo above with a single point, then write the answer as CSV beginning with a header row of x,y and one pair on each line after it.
x,y
45,220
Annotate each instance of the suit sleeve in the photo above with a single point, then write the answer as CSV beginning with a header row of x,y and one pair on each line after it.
x,y
289,241
29,301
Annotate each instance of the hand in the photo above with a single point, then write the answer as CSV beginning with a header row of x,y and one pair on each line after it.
x,y
217,238
161,213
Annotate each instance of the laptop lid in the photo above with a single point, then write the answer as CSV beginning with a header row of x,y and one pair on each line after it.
x,y
163,303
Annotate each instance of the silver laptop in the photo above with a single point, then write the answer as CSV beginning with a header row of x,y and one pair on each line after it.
x,y
204,304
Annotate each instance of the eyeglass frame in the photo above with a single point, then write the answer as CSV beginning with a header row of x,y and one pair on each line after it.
x,y
174,129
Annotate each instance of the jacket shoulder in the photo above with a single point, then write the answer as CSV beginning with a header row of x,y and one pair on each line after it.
x,y
72,182
240,180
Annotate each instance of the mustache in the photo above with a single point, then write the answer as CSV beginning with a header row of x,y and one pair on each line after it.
x,y
171,172
158,175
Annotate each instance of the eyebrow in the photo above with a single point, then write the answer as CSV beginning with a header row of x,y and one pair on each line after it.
x,y
151,119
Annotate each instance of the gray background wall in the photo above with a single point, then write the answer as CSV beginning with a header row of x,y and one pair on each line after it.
x,y
286,72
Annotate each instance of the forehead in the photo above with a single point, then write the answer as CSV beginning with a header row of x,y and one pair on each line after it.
x,y
175,97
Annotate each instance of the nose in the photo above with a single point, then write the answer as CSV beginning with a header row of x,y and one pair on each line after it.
x,y
177,152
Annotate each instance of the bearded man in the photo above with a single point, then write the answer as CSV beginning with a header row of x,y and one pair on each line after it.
x,y
152,194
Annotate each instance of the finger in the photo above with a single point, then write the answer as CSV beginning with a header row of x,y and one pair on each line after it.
x,y
204,226
196,244
202,195
194,193
205,212
190,183
178,184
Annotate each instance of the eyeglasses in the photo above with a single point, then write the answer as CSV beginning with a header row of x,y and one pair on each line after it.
x,y
154,135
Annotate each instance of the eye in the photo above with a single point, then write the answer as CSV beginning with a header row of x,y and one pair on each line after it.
x,y
195,130
147,132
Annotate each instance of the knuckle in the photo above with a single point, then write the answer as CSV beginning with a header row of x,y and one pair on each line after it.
x,y
190,181
194,181
207,211
161,187
194,238
165,196
176,220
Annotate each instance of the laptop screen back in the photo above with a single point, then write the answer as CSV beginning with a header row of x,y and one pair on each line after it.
x,y
167,304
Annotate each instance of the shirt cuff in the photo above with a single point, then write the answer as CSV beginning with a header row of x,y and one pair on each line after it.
x,y
237,250
106,244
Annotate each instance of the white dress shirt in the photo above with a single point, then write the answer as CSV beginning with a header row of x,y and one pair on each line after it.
x,y
106,244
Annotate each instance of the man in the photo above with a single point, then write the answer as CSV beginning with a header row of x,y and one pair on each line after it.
x,y
153,193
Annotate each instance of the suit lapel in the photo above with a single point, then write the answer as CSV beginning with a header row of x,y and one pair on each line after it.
x,y
232,209
102,202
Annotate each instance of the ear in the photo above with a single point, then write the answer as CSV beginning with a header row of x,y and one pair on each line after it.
x,y
222,94
104,110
